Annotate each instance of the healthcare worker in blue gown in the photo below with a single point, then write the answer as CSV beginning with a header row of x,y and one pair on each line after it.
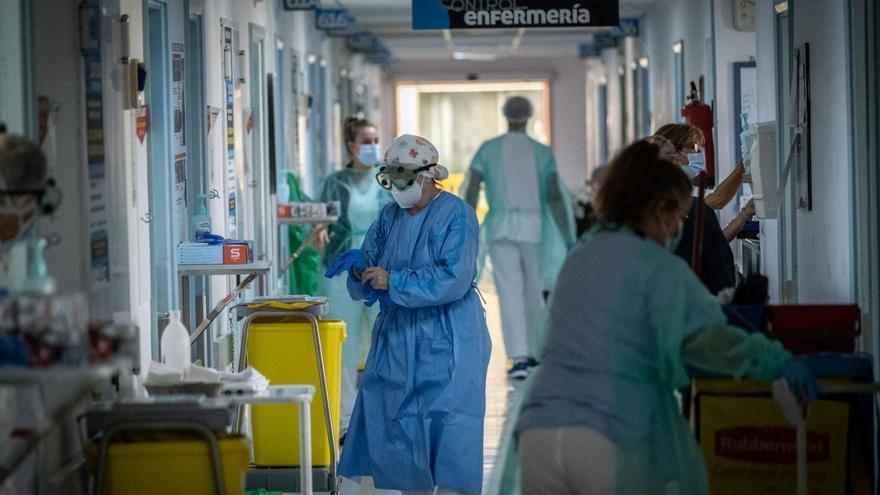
x,y
417,424
361,199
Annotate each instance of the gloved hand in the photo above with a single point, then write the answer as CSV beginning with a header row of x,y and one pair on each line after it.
x,y
353,258
800,379
375,296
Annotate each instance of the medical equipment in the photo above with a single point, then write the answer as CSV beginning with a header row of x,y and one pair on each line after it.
x,y
175,345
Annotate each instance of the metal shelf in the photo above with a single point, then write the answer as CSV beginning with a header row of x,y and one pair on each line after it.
x,y
243,269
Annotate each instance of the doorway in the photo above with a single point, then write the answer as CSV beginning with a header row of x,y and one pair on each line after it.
x,y
459,116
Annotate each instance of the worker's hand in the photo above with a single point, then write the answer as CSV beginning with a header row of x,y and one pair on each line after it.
x,y
800,380
322,239
376,276
749,210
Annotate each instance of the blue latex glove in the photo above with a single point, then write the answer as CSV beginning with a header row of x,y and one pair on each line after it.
x,y
800,379
353,258
375,296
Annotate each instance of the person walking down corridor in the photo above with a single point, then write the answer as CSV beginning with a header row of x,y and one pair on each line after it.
x,y
528,230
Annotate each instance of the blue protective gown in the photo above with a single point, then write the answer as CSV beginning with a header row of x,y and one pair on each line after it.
x,y
418,420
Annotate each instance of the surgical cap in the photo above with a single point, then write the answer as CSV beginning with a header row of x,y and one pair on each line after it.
x,y
517,109
415,152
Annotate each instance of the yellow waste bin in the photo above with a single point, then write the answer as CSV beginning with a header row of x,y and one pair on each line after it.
x,y
284,351
173,466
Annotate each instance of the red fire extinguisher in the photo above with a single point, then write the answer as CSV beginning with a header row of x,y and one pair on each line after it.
x,y
699,114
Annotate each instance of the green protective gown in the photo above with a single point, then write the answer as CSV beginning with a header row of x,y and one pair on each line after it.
x,y
618,278
557,215
361,199
303,274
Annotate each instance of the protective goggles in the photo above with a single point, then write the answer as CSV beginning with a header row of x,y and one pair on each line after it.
x,y
49,198
399,176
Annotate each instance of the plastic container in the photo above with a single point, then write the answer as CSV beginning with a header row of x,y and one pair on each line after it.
x,y
806,329
201,221
173,466
175,344
284,352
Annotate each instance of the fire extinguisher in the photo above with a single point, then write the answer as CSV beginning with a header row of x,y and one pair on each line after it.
x,y
699,114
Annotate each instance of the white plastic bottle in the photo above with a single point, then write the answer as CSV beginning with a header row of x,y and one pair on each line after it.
x,y
175,343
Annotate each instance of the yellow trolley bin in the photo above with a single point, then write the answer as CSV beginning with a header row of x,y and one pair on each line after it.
x,y
283,350
173,466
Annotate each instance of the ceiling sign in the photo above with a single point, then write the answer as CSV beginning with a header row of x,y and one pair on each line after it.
x,y
335,21
301,4
491,14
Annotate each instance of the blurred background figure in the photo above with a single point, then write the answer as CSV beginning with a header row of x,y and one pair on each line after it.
x,y
361,199
527,231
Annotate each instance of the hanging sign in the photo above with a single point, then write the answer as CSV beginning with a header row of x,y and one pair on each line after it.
x,y
363,41
141,123
491,14
605,40
301,4
335,21
589,50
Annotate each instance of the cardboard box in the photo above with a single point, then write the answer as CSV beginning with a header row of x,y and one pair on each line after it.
x,y
236,254
199,253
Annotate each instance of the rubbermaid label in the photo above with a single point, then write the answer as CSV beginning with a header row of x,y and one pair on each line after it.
x,y
769,445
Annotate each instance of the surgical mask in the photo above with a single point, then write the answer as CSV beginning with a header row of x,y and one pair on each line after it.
x,y
369,154
409,197
696,164
672,242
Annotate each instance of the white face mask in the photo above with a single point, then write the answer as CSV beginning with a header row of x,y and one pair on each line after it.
x,y
409,197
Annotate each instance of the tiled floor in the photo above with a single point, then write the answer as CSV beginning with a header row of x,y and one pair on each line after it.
x,y
499,394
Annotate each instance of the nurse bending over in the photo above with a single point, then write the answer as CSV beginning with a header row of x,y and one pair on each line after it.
x,y
627,317
417,424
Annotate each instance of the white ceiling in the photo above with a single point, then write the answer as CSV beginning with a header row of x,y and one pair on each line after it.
x,y
391,21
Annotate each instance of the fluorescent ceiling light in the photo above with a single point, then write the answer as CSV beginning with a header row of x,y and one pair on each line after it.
x,y
781,7
676,48
643,62
476,56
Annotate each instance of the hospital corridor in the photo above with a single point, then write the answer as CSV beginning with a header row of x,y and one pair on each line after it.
x,y
439,247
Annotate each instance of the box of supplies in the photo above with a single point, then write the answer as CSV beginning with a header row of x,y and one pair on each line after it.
x,y
199,253
749,446
202,253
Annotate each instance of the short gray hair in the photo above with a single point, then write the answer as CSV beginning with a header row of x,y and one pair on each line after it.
x,y
22,164
517,109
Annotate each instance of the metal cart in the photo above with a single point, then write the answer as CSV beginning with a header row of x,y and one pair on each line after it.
x,y
316,308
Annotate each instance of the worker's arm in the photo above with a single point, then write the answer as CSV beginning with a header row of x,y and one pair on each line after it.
x,y
450,277
692,329
731,351
736,225
374,244
556,198
470,190
725,191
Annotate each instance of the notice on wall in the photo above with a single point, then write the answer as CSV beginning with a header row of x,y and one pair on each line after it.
x,y
231,178
177,93
495,14
180,182
98,219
